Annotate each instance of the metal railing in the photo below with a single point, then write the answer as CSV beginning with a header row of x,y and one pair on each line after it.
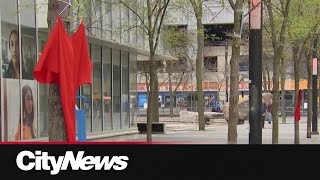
x,y
165,111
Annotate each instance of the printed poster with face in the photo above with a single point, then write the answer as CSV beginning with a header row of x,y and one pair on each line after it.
x,y
11,108
20,125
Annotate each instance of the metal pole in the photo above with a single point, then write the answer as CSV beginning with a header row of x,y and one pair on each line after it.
x,y
255,72
314,88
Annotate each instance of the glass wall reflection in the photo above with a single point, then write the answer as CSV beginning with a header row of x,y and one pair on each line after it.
x,y
96,87
116,91
86,103
125,115
28,37
107,85
109,101
133,89
43,92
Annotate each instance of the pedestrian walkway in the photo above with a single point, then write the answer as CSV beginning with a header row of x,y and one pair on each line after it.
x,y
217,133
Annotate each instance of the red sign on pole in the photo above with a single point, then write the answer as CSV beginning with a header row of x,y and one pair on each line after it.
x,y
255,14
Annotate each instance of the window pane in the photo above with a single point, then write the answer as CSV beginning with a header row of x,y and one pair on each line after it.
x,y
10,40
125,89
43,109
211,63
116,96
107,81
28,37
97,96
86,105
106,20
10,69
43,92
133,89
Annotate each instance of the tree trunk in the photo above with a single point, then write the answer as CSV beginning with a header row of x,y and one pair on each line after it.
x,y
234,75
309,110
197,8
275,101
171,104
199,65
56,124
278,46
283,91
296,61
153,31
153,107
155,12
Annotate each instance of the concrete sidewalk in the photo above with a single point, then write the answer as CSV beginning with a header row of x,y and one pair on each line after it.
x,y
217,133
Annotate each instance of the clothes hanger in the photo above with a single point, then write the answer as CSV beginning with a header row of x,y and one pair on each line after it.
x,y
68,4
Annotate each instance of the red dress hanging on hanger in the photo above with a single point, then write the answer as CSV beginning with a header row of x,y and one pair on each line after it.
x,y
65,61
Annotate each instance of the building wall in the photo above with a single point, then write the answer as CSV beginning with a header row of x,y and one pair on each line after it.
x,y
214,12
110,102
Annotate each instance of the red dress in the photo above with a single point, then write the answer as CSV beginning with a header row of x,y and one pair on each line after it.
x,y
65,61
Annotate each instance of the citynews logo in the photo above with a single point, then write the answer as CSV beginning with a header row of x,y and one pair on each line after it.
x,y
42,161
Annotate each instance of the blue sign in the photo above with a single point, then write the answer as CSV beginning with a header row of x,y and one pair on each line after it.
x,y
142,100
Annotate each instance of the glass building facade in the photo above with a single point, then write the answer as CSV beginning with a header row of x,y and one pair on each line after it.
x,y
110,102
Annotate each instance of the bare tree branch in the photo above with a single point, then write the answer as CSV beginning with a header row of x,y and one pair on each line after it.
x,y
135,13
232,4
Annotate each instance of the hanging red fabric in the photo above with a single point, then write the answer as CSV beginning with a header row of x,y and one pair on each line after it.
x,y
297,110
65,61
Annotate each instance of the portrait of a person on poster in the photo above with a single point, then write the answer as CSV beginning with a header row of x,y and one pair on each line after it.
x,y
11,107
11,69
28,116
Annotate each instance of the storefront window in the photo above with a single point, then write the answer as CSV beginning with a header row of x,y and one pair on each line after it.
x,y
133,89
125,115
116,92
110,101
97,94
107,82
